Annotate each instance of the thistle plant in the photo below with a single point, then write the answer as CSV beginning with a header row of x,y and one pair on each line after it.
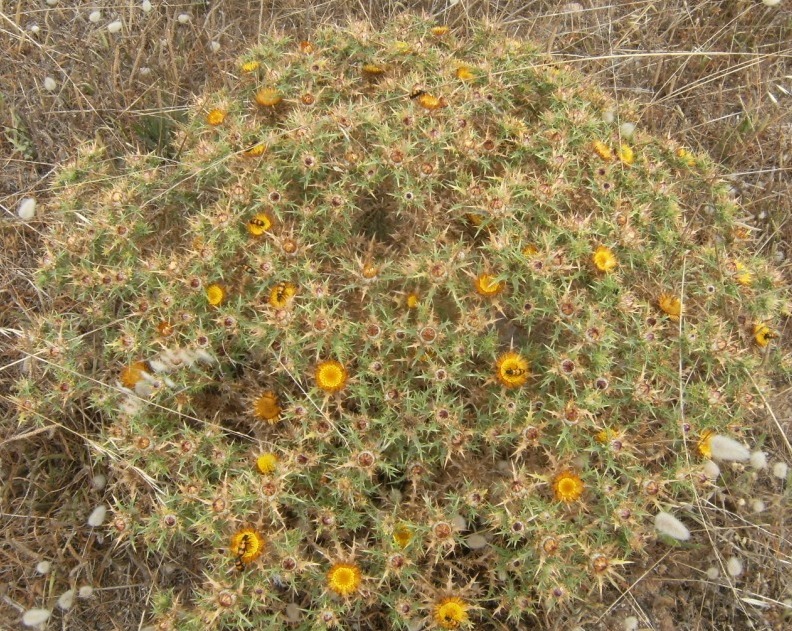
x,y
403,331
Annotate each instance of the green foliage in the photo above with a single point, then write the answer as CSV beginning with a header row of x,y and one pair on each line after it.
x,y
498,275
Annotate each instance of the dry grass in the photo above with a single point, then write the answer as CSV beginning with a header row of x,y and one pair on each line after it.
x,y
715,75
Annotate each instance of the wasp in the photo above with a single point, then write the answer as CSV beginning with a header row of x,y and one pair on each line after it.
x,y
416,93
515,372
259,223
241,550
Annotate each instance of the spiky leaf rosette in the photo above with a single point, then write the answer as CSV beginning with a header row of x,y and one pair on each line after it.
x,y
405,303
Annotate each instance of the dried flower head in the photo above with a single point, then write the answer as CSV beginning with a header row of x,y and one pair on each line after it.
x,y
266,407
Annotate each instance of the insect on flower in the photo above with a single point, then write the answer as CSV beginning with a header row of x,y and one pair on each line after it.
x,y
239,562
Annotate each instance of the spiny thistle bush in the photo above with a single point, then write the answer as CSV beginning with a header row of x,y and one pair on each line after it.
x,y
404,331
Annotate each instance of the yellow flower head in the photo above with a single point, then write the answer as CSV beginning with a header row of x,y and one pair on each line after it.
x,y
402,535
450,612
439,31
429,102
215,294
464,73
268,97
266,407
133,374
266,463
413,299
604,259
743,275
255,151
763,334
259,224
530,250
626,154
704,443
401,48
281,295
670,305
486,285
602,150
306,47
250,66
344,578
246,546
331,376
567,487
216,117
512,370
373,70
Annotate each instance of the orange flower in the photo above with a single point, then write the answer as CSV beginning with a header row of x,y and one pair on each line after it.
x,y
268,97
215,117
331,376
604,259
670,305
567,487
512,370
486,285
344,578
266,407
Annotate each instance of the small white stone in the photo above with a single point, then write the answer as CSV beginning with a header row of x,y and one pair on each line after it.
x,y
214,46
780,470
99,481
459,522
26,209
759,460
115,26
476,541
43,567
34,28
627,130
66,600
183,18
713,573
630,623
758,506
771,3
50,84
734,566
293,612
608,116
146,6
35,617
97,517
86,591
94,17
711,470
